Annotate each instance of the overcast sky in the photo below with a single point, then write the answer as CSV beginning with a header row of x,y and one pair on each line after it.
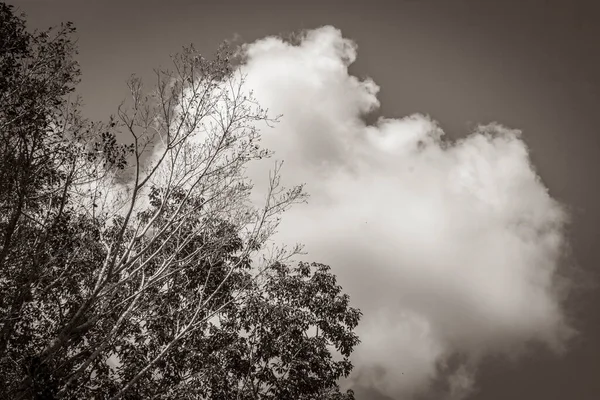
x,y
450,150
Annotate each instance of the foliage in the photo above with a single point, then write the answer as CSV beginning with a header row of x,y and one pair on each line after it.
x,y
139,268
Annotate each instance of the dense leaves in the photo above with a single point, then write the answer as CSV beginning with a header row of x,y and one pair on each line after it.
x,y
132,262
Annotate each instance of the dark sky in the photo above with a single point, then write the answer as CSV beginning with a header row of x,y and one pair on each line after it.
x,y
529,64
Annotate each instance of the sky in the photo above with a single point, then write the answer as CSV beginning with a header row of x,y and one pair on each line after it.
x,y
449,148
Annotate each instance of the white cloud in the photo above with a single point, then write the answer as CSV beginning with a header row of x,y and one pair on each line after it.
x,y
448,248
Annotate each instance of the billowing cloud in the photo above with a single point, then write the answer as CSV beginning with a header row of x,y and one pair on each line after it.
x,y
451,249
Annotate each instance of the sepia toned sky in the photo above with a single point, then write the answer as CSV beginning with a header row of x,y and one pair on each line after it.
x,y
530,65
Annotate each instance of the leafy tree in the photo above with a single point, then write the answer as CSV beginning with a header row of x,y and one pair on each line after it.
x,y
140,267
42,140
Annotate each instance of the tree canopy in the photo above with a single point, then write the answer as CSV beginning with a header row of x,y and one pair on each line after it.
x,y
133,263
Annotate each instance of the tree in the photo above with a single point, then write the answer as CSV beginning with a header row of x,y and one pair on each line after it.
x,y
140,267
42,140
